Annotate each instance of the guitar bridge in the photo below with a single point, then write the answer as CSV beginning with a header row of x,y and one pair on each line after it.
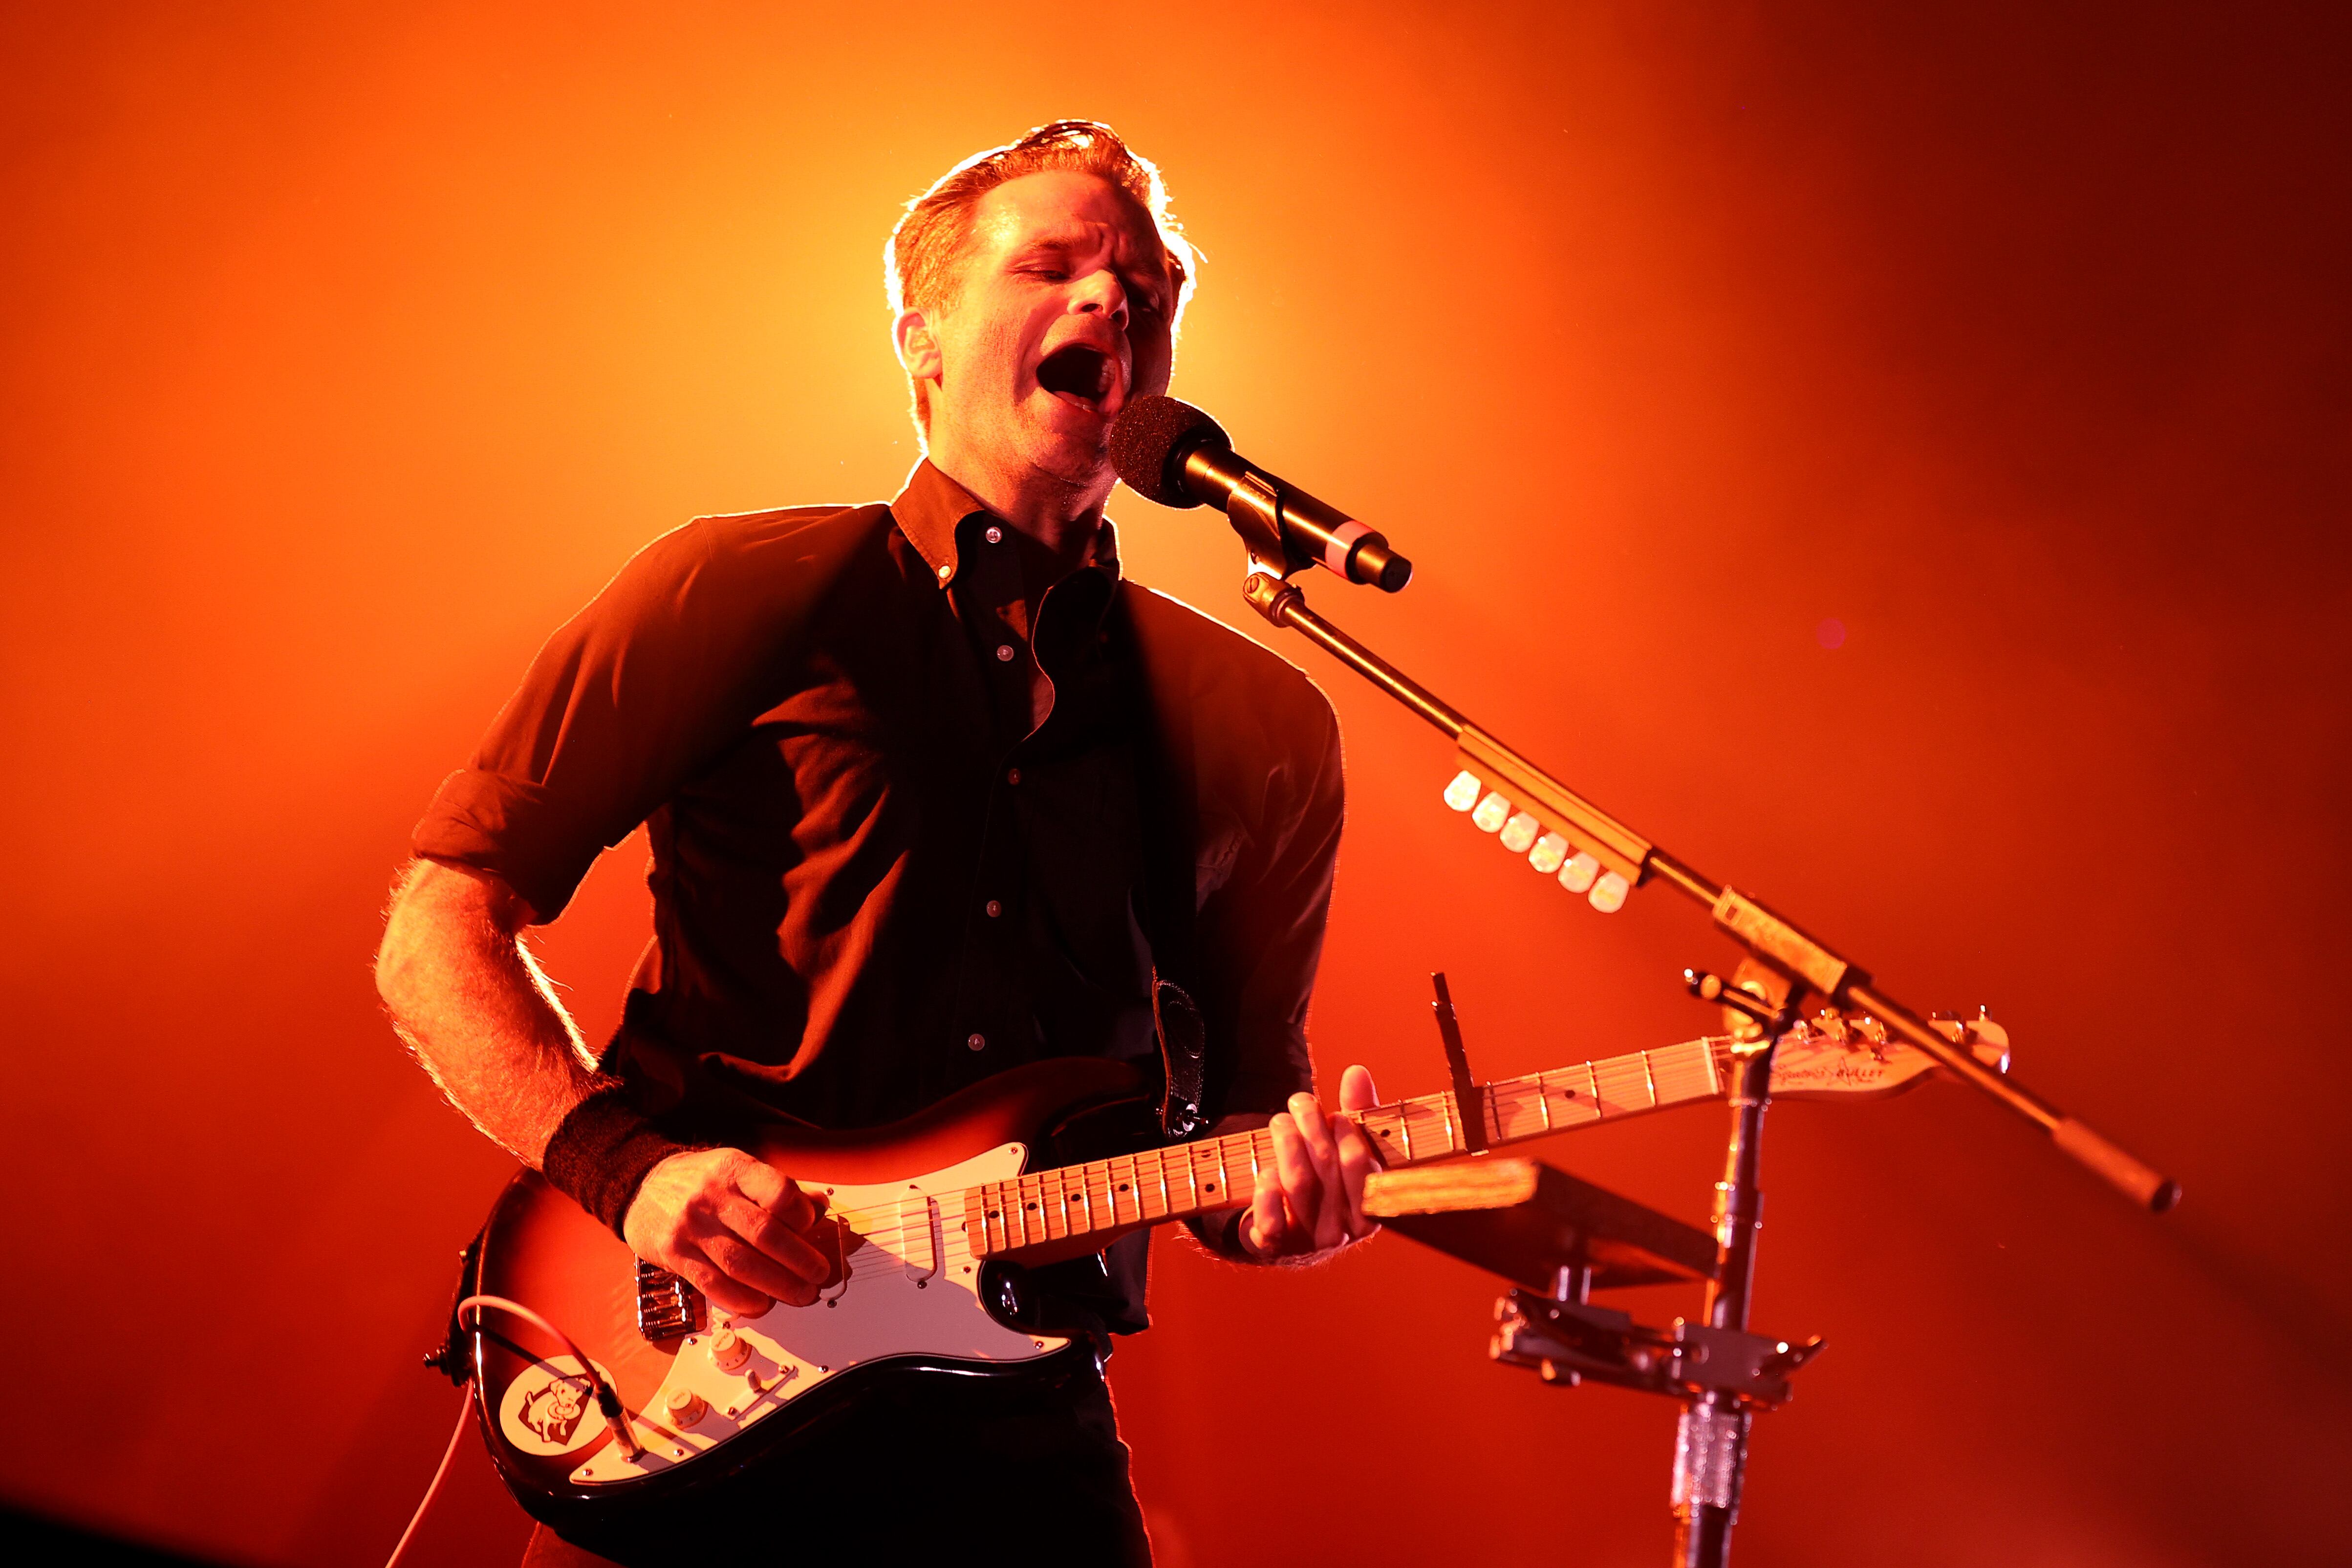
x,y
668,1307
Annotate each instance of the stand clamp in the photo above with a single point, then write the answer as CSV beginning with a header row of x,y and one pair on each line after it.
x,y
1568,1343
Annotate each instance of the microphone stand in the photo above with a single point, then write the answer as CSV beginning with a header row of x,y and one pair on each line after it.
x,y
1785,965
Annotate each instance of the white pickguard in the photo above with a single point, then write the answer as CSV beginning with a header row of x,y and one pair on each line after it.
x,y
912,1290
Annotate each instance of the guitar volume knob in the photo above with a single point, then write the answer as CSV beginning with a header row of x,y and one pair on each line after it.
x,y
684,1406
727,1351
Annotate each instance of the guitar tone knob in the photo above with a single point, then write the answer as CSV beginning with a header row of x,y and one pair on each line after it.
x,y
684,1406
727,1351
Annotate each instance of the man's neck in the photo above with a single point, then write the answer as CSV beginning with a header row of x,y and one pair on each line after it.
x,y
1063,517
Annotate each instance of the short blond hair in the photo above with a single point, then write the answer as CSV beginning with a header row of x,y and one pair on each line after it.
x,y
920,263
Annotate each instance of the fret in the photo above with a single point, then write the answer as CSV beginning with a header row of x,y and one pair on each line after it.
x,y
1062,1203
1094,1220
1543,1120
1614,1090
1684,1072
1114,1185
1577,1106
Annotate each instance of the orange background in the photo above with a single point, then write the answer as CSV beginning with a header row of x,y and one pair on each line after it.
x,y
346,352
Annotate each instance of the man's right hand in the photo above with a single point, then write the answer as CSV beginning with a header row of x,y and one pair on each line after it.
x,y
733,1228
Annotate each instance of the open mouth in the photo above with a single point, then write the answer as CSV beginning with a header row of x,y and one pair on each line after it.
x,y
1080,375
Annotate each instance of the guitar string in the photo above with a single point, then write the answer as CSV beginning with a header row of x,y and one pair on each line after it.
x,y
1518,1108
1510,1100
1509,1097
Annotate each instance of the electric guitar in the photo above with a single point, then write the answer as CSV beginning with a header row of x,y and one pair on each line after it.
x,y
939,1214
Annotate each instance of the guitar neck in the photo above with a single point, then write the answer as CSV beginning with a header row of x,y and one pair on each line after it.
x,y
1185,1179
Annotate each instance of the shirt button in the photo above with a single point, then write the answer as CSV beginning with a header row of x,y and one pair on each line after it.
x,y
994,536
1004,652
944,572
994,909
1013,776
975,1042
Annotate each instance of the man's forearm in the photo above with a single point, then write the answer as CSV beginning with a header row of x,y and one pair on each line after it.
x,y
466,997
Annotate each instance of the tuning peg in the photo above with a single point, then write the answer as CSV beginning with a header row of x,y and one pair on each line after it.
x,y
1983,1039
1549,854
1519,833
1463,792
1491,813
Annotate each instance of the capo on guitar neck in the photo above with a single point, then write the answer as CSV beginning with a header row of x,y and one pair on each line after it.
x,y
1466,1098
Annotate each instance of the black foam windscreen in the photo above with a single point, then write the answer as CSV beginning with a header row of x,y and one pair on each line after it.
x,y
1146,433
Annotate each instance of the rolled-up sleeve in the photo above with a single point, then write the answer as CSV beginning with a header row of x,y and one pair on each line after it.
x,y
625,700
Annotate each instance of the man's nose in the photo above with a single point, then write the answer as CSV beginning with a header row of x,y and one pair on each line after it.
x,y
1101,293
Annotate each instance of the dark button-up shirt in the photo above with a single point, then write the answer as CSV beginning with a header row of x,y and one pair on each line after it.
x,y
916,815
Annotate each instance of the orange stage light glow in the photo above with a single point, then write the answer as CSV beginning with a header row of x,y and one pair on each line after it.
x,y
1896,456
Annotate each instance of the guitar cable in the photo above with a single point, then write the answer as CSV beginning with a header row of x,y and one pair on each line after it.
x,y
432,1490
608,1405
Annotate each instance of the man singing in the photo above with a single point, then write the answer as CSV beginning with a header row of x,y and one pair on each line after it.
x,y
932,792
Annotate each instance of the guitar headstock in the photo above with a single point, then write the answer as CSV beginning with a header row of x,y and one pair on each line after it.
x,y
1835,1056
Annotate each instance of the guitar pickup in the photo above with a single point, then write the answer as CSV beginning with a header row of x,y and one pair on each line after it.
x,y
919,1243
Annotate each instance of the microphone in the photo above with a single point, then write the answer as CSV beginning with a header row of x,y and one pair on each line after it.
x,y
1171,452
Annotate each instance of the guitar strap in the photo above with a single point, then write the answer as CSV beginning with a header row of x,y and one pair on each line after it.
x,y
1183,1061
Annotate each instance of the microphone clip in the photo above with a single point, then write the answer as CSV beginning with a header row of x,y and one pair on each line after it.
x,y
1254,508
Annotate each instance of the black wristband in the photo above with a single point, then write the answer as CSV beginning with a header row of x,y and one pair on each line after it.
x,y
601,1152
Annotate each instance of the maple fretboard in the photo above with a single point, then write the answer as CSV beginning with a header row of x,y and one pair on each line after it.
x,y
1185,1179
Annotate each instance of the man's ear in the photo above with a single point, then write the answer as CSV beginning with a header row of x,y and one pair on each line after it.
x,y
918,345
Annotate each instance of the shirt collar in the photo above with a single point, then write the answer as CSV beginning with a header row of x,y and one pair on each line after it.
x,y
933,508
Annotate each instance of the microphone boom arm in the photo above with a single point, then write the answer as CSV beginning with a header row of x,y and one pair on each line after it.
x,y
1798,958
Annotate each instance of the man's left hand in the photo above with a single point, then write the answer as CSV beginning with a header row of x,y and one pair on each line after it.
x,y
1312,1201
